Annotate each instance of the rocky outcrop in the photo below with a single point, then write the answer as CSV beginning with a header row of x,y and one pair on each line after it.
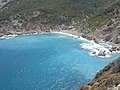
x,y
117,41
101,54
106,79
115,48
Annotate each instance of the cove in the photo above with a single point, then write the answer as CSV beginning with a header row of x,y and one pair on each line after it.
x,y
46,62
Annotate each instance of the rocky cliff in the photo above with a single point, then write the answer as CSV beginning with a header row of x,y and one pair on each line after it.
x,y
106,79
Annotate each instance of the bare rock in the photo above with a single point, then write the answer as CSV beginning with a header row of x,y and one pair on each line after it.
x,y
114,48
110,23
96,40
102,54
117,41
107,38
94,52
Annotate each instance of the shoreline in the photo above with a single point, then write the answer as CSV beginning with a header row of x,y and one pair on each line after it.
x,y
101,49
17,34
95,49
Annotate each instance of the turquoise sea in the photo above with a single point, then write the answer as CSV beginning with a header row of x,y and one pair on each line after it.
x,y
46,62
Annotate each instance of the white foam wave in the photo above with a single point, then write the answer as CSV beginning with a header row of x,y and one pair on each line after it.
x,y
95,49
90,45
8,36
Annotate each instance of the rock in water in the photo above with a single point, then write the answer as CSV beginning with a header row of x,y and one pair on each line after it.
x,y
102,54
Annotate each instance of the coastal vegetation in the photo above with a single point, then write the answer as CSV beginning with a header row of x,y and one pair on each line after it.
x,y
105,13
53,11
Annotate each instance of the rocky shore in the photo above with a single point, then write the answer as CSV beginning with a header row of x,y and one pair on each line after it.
x,y
95,47
4,31
99,48
106,79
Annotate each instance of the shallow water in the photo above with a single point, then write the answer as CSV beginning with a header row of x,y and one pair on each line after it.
x,y
46,62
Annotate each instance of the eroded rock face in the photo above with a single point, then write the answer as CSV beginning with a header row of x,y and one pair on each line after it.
x,y
106,79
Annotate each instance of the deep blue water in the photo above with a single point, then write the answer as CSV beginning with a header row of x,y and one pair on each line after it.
x,y
46,62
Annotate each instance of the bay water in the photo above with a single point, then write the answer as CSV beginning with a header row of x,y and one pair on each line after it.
x,y
47,62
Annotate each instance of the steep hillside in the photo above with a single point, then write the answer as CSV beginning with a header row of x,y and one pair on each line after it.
x,y
106,79
105,13
96,19
53,11
105,25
